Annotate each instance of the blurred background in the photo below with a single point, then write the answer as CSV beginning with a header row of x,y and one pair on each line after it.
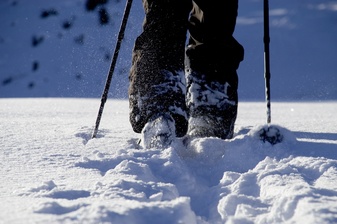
x,y
63,48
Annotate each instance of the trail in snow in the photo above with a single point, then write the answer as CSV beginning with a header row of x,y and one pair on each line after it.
x,y
53,173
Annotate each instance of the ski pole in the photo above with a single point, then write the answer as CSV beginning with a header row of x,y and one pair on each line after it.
x,y
112,66
270,133
266,40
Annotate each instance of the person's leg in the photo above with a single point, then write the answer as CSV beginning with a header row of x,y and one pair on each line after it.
x,y
157,82
212,58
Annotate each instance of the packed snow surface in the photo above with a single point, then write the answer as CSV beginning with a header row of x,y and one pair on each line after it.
x,y
52,172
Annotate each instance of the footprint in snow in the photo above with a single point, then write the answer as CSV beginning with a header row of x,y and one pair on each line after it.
x,y
55,208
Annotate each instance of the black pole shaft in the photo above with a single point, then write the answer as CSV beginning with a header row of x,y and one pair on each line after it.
x,y
266,40
112,66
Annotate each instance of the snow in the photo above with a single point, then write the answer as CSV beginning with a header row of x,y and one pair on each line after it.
x,y
74,61
52,172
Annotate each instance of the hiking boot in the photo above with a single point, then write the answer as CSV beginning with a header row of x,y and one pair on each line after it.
x,y
212,106
211,126
154,93
159,132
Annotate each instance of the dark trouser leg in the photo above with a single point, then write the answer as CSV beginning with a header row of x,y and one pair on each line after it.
x,y
212,58
157,82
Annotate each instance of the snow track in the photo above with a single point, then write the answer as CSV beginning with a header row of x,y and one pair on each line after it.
x,y
52,172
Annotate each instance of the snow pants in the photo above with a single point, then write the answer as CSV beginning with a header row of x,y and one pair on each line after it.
x,y
164,69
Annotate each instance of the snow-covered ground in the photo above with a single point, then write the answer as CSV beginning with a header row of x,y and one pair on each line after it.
x,y
51,172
